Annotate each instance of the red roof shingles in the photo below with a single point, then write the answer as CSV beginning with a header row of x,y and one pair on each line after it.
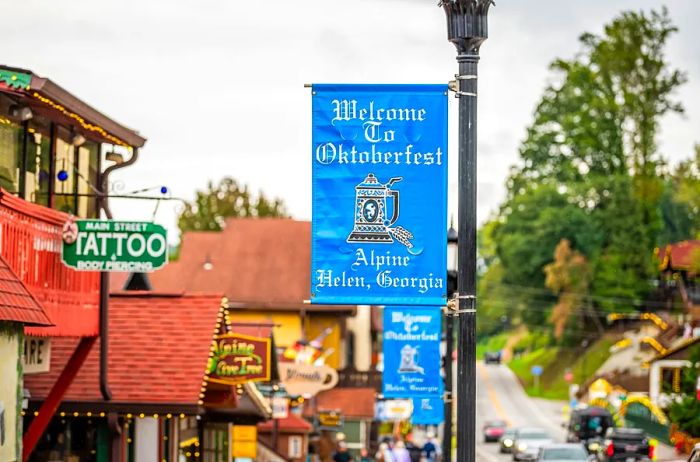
x,y
16,301
352,402
256,262
290,424
158,350
679,255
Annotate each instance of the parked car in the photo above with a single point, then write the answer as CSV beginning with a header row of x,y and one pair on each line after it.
x,y
506,441
588,426
528,442
626,445
695,454
570,452
493,430
492,357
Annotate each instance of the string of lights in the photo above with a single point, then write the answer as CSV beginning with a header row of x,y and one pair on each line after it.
x,y
81,121
127,416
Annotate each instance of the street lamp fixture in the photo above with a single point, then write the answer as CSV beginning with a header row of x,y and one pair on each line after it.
x,y
467,29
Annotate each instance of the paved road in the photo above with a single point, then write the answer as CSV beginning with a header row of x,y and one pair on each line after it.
x,y
500,396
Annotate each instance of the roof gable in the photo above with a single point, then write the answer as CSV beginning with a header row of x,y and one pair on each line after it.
x,y
680,351
256,262
290,424
679,255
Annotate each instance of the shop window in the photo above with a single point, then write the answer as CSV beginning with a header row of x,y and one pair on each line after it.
x,y
10,148
166,439
350,350
68,439
215,446
130,453
65,177
86,178
38,171
671,380
295,447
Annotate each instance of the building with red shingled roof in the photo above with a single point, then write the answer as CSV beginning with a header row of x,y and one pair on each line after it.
x,y
158,352
679,281
51,165
17,304
293,436
263,266
18,308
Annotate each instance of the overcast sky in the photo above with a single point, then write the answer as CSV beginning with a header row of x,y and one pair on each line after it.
x,y
217,86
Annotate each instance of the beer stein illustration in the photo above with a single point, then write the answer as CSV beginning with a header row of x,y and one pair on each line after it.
x,y
372,224
408,360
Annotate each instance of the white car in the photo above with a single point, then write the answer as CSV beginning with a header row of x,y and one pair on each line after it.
x,y
528,442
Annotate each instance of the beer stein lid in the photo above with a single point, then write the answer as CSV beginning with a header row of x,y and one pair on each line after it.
x,y
370,181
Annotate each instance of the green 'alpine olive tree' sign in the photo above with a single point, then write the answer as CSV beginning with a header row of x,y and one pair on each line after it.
x,y
102,245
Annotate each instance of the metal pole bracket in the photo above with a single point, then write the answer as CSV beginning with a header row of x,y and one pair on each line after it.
x,y
453,86
452,308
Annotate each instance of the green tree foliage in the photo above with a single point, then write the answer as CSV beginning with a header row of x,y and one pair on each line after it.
x,y
591,172
228,198
681,201
623,264
686,411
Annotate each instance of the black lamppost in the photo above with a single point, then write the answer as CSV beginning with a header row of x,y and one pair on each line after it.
x,y
467,28
452,239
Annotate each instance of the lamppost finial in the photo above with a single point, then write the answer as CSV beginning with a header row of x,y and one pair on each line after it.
x,y
467,23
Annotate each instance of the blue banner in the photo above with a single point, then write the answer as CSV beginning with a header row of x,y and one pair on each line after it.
x,y
411,344
428,411
379,211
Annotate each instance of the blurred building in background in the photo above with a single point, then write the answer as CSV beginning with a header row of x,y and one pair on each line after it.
x,y
679,263
262,266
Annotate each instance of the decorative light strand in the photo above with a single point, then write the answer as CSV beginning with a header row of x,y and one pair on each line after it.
x,y
79,119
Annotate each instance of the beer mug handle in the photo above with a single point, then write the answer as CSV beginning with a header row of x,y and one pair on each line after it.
x,y
395,206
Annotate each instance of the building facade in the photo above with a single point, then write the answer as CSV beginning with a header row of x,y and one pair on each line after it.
x,y
53,162
262,265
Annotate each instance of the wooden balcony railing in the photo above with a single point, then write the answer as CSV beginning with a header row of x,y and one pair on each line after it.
x,y
30,242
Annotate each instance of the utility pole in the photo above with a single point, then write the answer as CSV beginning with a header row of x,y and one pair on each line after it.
x,y
467,28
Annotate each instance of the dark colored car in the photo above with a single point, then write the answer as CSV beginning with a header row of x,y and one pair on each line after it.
x,y
569,452
493,430
507,440
588,426
492,357
626,445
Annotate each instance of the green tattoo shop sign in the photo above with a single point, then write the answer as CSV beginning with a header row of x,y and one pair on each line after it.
x,y
113,246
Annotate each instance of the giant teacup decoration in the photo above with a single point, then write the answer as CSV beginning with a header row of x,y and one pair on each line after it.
x,y
307,380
